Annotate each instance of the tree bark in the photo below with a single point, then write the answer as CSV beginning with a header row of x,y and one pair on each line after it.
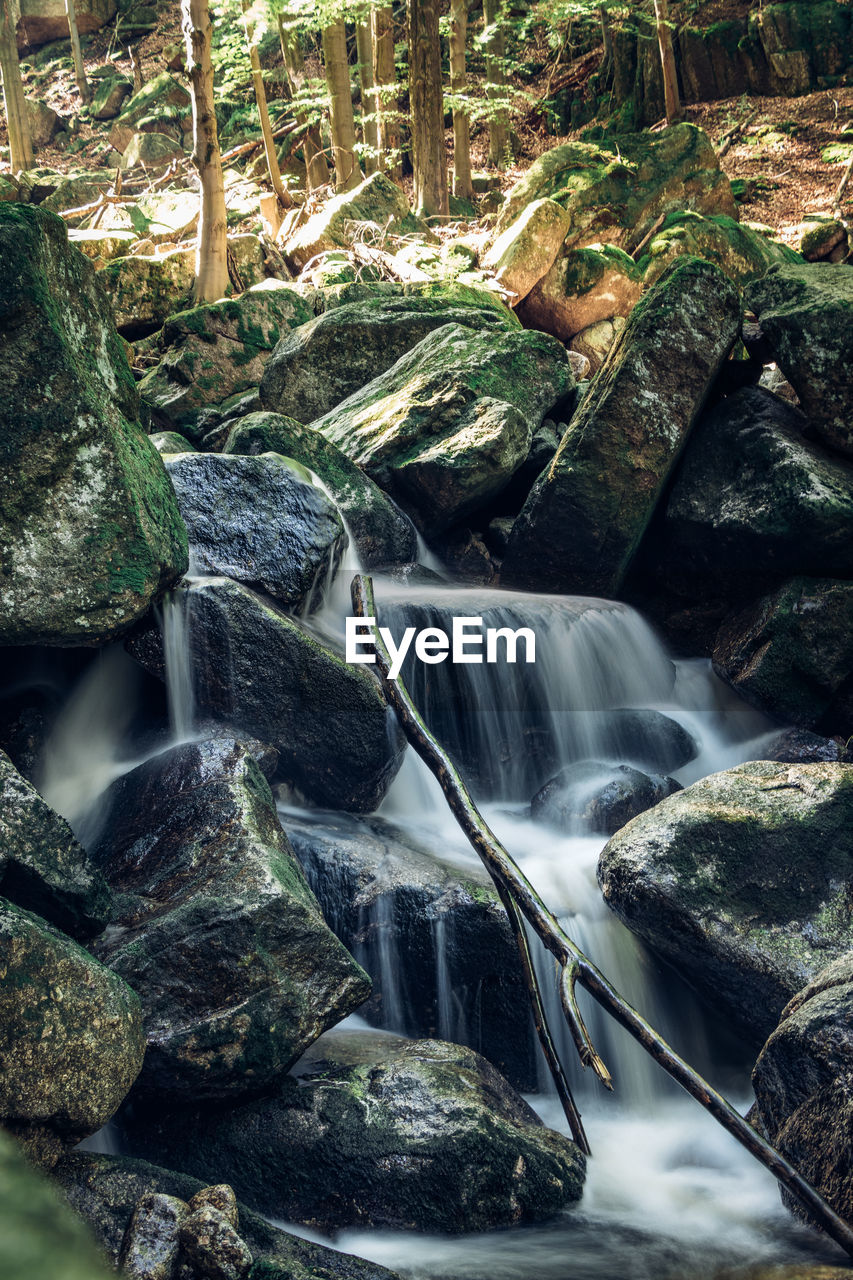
x,y
575,966
263,110
674,110
17,119
462,187
316,166
496,84
347,173
385,89
77,54
211,261
369,118
427,109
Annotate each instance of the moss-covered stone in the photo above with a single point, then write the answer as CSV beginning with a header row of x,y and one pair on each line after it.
x,y
109,96
90,529
526,250
102,246
151,151
377,200
42,866
742,882
741,253
214,351
71,1042
161,99
582,288
338,1145
585,517
445,428
167,442
145,289
383,535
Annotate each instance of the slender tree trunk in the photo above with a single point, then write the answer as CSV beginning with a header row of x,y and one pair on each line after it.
x,y
347,173
211,260
17,119
674,110
427,108
369,119
316,168
263,111
496,83
385,89
77,54
462,187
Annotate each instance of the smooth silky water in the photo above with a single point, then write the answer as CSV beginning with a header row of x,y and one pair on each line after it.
x,y
668,1192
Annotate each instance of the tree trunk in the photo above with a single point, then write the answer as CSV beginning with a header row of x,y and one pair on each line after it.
x,y
496,84
77,54
17,119
369,120
316,167
427,109
462,187
674,111
263,111
211,260
347,173
385,89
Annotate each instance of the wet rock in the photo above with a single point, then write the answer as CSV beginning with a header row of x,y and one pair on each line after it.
x,y
39,1235
323,362
803,1084
71,1041
798,746
212,1246
258,520
741,882
214,351
380,1131
104,1190
646,739
42,866
526,250
377,200
383,535
145,289
791,654
152,1242
446,427
599,797
90,528
217,929
806,313
433,938
260,671
585,517
756,502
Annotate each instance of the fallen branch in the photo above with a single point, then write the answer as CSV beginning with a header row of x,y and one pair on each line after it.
x,y
652,231
732,134
575,966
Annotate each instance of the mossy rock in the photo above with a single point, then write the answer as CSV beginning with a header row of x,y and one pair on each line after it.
x,y
145,289
583,288
377,200
736,249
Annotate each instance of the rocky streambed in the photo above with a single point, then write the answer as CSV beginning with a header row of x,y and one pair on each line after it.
x,y
216,848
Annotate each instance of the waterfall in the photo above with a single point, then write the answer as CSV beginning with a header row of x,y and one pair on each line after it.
x,y
175,617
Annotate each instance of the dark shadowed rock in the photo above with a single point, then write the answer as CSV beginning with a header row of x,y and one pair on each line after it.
x,y
217,929
257,669
377,1130
599,797
742,882
258,520
798,746
585,517
212,1246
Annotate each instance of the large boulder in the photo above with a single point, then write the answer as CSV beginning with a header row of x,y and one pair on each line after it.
x,y
145,289
323,362
803,1083
615,190
258,520
71,1041
739,251
585,517
755,501
446,427
742,882
213,351
216,927
583,287
382,534
337,1146
39,1235
256,668
433,937
41,21
377,200
806,314
42,866
526,250
162,105
790,653
89,525
105,1191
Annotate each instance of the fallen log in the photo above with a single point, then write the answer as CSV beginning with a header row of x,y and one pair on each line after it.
x,y
575,967
736,130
